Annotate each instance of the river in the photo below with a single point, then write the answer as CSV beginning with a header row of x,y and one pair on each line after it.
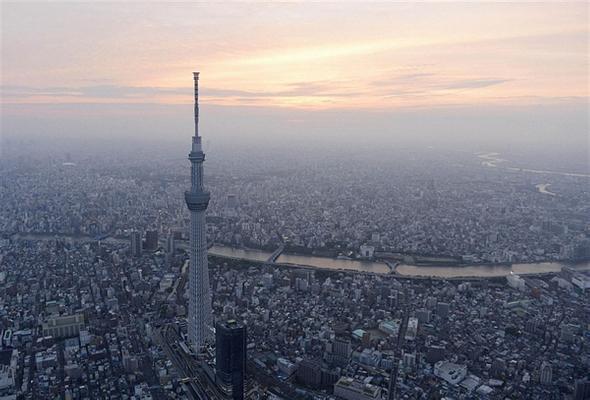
x,y
333,263
487,271
544,188
304,260
378,267
492,160
401,269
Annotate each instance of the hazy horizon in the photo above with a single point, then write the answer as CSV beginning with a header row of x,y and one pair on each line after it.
x,y
477,77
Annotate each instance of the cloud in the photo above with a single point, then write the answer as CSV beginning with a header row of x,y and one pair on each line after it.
x,y
402,79
428,84
297,89
96,91
473,83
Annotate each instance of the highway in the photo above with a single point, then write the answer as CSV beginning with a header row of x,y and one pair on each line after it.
x,y
391,393
196,383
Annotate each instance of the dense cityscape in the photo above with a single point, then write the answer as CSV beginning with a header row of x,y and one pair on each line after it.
x,y
94,271
442,205
306,328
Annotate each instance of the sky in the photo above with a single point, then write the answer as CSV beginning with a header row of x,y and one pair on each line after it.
x,y
312,67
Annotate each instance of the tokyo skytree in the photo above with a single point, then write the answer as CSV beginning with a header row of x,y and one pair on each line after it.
x,y
197,200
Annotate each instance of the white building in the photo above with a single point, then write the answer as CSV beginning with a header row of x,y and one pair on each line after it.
x,y
286,367
581,281
167,282
267,280
370,358
367,251
390,328
516,282
63,326
351,389
412,330
562,283
450,372
409,361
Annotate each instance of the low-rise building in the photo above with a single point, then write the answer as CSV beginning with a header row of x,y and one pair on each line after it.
x,y
351,389
63,326
450,372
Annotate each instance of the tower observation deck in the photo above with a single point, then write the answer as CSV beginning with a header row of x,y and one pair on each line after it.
x,y
197,200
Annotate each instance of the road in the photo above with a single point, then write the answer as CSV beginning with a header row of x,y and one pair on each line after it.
x,y
391,395
196,382
192,389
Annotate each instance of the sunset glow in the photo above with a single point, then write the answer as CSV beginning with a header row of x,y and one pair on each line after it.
x,y
382,56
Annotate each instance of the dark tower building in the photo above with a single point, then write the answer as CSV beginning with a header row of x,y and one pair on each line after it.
x,y
151,240
136,245
230,354
309,373
582,389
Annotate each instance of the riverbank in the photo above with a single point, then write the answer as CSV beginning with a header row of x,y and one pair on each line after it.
x,y
405,270
544,188
493,160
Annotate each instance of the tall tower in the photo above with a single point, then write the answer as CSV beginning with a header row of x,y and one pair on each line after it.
x,y
197,199
230,357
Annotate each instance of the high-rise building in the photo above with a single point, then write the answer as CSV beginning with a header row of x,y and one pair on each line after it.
x,y
170,243
442,309
412,329
151,240
197,200
135,244
423,315
342,349
330,376
546,373
409,361
232,201
498,368
230,357
582,389
435,353
309,373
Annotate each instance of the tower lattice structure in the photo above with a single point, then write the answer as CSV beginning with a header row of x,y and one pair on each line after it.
x,y
197,200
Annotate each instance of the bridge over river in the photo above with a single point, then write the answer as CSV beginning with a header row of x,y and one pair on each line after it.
x,y
278,257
